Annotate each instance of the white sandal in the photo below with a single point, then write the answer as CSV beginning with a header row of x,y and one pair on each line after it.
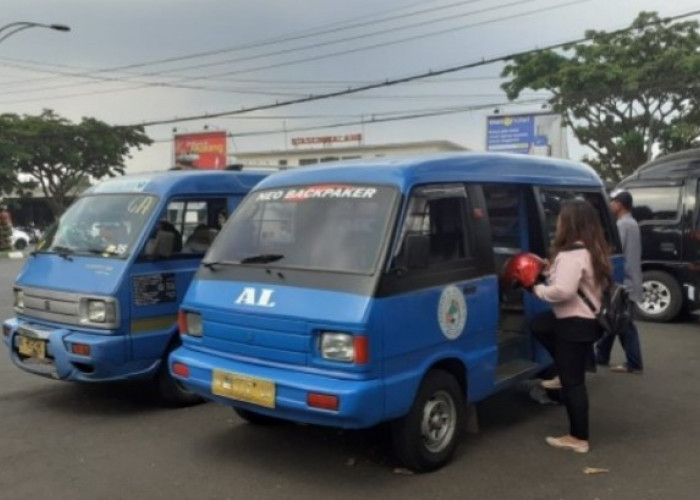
x,y
551,384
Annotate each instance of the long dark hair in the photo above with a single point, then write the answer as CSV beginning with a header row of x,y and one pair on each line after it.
x,y
579,222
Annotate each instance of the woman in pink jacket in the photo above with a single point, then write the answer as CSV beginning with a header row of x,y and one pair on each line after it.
x,y
581,263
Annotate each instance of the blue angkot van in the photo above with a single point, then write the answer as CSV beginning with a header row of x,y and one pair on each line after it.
x,y
358,293
98,299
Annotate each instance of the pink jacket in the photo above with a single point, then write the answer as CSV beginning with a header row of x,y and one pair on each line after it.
x,y
570,271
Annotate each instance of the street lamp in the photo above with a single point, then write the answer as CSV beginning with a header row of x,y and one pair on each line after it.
x,y
10,29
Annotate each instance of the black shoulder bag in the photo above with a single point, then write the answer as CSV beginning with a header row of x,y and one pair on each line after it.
x,y
615,308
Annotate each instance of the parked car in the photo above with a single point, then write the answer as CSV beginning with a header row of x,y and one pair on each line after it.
x,y
665,193
33,232
20,239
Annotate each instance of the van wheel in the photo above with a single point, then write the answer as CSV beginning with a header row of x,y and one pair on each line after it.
x,y
20,244
172,392
426,438
662,299
257,418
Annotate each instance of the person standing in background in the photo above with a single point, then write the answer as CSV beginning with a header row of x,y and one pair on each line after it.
x,y
621,206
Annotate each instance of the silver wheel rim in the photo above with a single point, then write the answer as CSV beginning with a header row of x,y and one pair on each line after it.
x,y
656,299
438,422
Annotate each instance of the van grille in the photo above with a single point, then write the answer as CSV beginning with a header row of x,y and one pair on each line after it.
x,y
59,307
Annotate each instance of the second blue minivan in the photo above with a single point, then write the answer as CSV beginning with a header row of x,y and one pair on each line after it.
x,y
98,299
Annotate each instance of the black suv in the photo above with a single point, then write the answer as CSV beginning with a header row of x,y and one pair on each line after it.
x,y
666,197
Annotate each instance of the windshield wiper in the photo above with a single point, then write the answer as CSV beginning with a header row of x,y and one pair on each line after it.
x,y
211,264
64,252
262,258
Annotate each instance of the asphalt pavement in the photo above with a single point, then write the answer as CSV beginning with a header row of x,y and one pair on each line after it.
x,y
66,441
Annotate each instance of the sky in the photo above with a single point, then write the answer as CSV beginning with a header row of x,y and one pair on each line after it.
x,y
130,62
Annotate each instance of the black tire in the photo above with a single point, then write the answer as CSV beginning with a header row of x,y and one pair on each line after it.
x,y
426,438
20,244
171,392
257,418
663,297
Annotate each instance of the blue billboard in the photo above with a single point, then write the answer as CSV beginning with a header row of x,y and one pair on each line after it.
x,y
510,134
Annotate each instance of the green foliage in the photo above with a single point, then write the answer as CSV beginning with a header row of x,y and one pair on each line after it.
x,y
60,156
624,94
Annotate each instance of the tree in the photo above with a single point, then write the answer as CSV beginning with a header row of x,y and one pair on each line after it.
x,y
624,94
60,156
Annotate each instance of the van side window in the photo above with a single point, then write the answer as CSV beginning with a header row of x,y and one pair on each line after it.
x,y
656,203
439,212
503,204
552,199
193,223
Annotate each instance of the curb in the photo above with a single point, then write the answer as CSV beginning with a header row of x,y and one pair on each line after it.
x,y
12,255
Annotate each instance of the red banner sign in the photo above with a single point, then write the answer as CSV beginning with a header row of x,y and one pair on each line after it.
x,y
327,139
205,150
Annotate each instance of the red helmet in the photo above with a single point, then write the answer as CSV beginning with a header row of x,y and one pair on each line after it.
x,y
522,269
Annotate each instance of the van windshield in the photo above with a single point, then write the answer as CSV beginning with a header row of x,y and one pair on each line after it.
x,y
102,225
337,227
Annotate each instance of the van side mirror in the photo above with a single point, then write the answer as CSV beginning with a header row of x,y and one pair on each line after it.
x,y
417,251
162,246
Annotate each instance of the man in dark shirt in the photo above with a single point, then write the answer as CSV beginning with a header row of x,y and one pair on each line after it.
x,y
621,206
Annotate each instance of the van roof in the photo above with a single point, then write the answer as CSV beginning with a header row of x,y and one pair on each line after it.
x,y
671,166
181,182
408,171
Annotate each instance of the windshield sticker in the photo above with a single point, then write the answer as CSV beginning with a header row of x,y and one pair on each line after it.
x,y
452,312
140,205
318,192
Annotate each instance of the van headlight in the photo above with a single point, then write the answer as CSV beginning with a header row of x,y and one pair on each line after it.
x,y
19,298
98,311
190,323
338,346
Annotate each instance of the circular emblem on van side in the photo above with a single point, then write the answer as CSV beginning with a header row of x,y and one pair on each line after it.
x,y
452,312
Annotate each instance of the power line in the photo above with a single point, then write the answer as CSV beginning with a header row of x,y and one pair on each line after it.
x,y
265,55
392,42
381,119
361,36
272,41
398,81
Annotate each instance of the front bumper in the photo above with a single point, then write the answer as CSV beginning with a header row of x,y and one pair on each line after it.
x,y
361,401
106,362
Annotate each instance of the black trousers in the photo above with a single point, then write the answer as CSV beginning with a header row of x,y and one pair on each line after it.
x,y
570,359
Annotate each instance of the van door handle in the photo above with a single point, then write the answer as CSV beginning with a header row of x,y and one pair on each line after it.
x,y
469,289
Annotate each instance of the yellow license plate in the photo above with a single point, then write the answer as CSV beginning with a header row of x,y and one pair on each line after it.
x,y
32,348
251,390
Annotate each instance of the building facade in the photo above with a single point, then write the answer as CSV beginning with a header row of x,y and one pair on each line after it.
x,y
299,157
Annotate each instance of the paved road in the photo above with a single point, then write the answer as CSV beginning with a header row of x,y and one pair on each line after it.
x,y
64,441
